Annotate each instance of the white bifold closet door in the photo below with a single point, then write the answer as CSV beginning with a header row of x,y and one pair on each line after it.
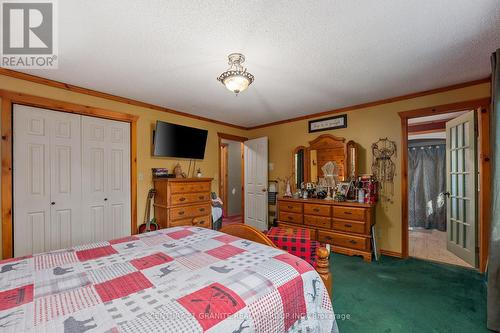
x,y
71,180
47,180
106,174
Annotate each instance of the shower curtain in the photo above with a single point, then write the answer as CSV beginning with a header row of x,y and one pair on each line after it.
x,y
427,180
494,258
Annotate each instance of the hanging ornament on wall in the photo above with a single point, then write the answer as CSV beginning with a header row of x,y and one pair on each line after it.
x,y
383,166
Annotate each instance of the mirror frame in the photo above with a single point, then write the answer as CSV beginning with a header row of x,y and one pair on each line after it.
x,y
306,166
326,141
352,145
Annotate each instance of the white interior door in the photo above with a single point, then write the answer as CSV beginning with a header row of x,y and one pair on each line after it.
x,y
106,174
256,161
461,184
47,180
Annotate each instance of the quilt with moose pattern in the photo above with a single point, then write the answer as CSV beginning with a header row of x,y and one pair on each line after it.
x,y
182,279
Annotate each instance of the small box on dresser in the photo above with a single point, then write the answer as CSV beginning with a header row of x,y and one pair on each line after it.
x,y
344,225
183,202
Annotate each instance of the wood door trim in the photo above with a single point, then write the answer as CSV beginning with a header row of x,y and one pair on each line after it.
x,y
10,98
220,137
223,176
484,199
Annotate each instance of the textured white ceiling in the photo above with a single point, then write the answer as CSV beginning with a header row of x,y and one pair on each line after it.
x,y
307,56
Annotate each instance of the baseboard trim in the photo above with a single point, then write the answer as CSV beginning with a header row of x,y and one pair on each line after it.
x,y
391,253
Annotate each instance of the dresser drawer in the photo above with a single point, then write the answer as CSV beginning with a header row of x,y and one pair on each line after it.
x,y
321,210
349,213
350,226
186,198
291,207
290,217
317,221
343,240
203,221
190,211
189,187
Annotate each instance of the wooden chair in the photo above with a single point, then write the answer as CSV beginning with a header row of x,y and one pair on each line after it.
x,y
250,233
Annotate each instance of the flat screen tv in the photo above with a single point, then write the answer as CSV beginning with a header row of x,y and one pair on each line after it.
x,y
172,140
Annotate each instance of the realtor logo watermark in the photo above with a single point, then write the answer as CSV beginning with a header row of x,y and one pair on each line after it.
x,y
29,35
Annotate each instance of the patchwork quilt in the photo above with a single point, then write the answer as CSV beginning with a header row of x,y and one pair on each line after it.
x,y
183,279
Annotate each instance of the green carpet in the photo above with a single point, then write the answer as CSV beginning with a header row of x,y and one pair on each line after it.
x,y
395,295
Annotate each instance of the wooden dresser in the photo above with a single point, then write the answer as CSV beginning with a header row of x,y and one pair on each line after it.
x,y
344,225
183,201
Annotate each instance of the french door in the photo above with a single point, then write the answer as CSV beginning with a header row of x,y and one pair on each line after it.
x,y
461,183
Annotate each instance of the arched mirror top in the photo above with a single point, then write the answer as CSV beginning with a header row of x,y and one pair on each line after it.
x,y
308,161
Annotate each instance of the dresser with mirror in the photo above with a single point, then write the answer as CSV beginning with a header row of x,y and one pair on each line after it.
x,y
345,225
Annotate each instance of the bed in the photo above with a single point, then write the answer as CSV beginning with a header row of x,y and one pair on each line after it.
x,y
182,279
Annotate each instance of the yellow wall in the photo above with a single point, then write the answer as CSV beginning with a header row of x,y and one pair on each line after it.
x,y
365,126
148,117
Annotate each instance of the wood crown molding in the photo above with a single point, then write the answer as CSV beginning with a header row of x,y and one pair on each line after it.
x,y
375,103
94,93
90,92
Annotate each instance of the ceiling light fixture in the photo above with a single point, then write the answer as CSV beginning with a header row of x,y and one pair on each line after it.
x,y
236,78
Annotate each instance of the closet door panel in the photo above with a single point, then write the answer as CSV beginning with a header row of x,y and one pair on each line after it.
x,y
106,178
66,181
119,180
46,178
94,175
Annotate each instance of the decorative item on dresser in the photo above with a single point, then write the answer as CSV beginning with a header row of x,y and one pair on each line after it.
x,y
183,201
347,226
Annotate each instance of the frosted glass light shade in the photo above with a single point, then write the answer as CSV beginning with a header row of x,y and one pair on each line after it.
x,y
236,83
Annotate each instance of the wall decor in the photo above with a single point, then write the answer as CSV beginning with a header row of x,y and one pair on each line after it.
x,y
383,167
328,123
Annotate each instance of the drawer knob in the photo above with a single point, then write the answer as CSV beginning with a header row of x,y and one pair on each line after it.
x,y
290,207
352,241
328,238
348,225
202,209
348,213
201,197
316,210
182,199
181,212
290,218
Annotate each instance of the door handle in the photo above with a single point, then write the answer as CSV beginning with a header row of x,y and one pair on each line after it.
x,y
182,199
447,194
52,203
105,199
264,190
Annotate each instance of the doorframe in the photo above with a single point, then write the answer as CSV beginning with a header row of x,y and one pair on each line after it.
x,y
240,139
223,175
9,98
484,168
